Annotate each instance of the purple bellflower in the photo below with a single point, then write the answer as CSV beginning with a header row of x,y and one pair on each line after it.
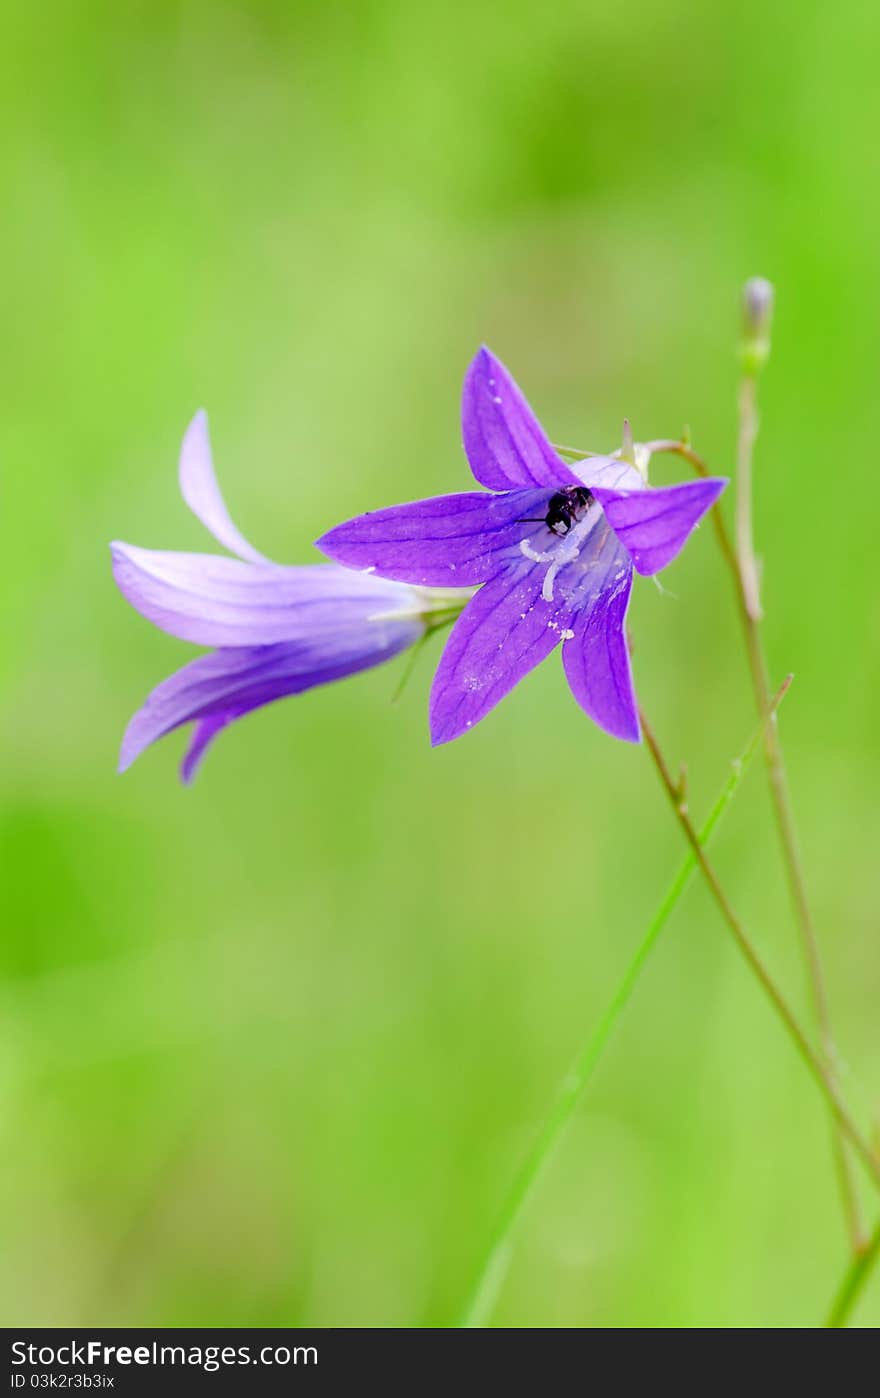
x,y
551,546
276,630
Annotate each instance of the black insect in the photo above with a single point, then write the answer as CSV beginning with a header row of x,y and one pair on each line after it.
x,y
563,508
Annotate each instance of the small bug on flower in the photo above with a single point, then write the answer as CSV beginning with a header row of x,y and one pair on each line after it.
x,y
563,509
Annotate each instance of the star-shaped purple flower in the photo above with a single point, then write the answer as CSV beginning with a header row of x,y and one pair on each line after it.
x,y
277,630
552,547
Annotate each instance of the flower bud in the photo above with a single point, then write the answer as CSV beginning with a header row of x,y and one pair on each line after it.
x,y
757,317
627,450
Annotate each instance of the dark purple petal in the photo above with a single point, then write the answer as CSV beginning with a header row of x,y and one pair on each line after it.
x,y
653,525
198,485
503,440
217,688
203,735
502,634
448,541
216,601
597,662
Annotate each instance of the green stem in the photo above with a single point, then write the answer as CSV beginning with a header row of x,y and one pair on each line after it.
x,y
435,620
573,453
494,1267
779,790
744,577
857,1274
822,1073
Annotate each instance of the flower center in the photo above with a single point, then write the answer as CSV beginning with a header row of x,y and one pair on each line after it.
x,y
571,517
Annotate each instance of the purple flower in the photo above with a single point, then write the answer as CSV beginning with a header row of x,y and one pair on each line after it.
x,y
278,630
552,547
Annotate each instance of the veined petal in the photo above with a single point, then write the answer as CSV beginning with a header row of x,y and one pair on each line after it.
x,y
215,689
216,601
610,472
502,634
503,440
198,485
596,659
447,541
654,525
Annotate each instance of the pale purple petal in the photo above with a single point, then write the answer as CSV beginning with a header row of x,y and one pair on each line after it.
x,y
654,525
217,688
596,660
502,634
448,541
608,471
503,440
198,485
216,601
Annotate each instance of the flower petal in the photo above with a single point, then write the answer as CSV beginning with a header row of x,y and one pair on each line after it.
x,y
198,485
216,601
447,541
502,634
596,660
654,525
203,736
610,472
215,689
504,442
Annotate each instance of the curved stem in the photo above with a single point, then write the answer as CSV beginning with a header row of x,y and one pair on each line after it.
x,y
574,1084
743,570
744,573
823,1075
852,1284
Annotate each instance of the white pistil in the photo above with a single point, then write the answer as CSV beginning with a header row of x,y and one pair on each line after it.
x,y
533,554
568,550
549,579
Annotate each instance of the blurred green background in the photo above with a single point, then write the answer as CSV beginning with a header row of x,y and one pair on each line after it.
x,y
272,1047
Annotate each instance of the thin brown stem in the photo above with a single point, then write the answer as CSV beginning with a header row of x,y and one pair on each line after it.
x,y
856,1275
687,453
778,781
820,1071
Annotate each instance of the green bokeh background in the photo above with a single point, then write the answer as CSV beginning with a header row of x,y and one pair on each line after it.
x,y
272,1047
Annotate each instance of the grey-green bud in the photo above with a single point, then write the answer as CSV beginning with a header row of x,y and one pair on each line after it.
x,y
757,318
